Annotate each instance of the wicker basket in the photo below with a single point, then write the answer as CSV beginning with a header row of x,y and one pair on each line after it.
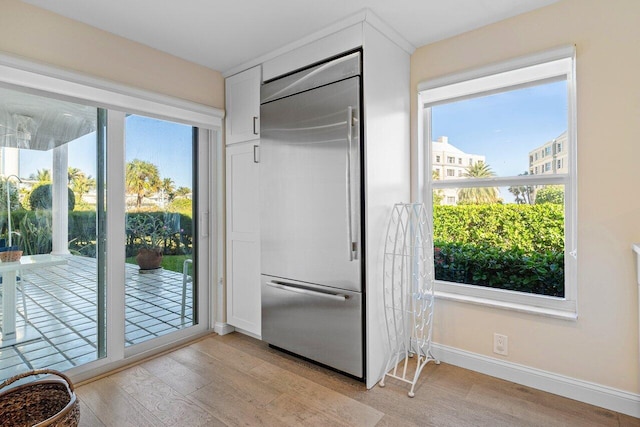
x,y
46,402
10,256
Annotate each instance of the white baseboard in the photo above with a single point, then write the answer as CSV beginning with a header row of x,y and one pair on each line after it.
x,y
583,391
223,328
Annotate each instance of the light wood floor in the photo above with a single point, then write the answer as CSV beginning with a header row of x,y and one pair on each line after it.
x,y
235,380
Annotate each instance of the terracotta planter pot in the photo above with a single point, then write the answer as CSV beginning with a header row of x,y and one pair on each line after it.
x,y
149,259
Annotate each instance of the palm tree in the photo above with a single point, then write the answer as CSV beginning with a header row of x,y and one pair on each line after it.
x,y
438,195
169,188
522,193
81,185
183,191
41,176
478,195
142,179
73,173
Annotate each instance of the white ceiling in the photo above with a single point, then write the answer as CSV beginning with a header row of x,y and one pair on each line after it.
x,y
224,34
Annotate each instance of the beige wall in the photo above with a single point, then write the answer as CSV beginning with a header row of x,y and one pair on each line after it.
x,y
602,345
43,36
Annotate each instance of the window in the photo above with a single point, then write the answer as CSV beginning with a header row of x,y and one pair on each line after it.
x,y
437,159
451,200
538,94
559,147
451,172
459,160
459,173
470,162
451,160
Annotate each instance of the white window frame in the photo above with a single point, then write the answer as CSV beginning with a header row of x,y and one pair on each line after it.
x,y
553,65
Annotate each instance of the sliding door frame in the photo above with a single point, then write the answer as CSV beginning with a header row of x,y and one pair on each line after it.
x,y
119,100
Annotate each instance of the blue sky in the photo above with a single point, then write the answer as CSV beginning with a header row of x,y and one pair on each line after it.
x,y
504,127
168,145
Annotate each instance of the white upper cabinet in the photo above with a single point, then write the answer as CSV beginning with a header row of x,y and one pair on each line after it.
x,y
242,98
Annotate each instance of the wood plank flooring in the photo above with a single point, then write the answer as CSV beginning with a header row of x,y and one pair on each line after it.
x,y
235,380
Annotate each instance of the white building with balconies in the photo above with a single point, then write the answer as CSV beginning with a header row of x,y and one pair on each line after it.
x,y
550,157
449,162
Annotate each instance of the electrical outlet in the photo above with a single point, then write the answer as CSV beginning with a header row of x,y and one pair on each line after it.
x,y
500,344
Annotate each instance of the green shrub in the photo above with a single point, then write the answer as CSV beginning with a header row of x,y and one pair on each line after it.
x,y
35,233
550,194
82,233
183,206
40,198
514,247
512,269
13,196
179,241
530,228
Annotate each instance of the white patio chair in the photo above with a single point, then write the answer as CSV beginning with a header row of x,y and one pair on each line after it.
x,y
186,278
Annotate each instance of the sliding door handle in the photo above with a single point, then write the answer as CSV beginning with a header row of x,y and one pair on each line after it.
x,y
255,128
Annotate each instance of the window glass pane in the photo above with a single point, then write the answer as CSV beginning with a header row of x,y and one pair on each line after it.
x,y
160,264
510,133
516,246
50,159
510,237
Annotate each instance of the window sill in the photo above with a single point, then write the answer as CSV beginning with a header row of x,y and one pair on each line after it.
x,y
556,313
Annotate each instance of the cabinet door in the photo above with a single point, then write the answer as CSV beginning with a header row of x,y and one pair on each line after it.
x,y
243,106
243,238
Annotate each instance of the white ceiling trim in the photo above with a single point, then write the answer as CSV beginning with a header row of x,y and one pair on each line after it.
x,y
360,17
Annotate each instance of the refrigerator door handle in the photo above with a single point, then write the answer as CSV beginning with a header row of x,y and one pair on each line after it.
x,y
335,297
352,246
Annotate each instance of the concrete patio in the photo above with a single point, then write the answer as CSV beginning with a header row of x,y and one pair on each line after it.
x,y
61,307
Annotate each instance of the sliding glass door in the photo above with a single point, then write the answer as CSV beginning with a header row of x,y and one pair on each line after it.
x,y
51,211
107,194
160,184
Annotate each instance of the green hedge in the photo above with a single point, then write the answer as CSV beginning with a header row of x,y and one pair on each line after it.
x,y
514,247
530,228
179,243
35,233
512,269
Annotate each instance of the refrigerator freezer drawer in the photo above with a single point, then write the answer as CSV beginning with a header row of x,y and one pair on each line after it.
x,y
321,324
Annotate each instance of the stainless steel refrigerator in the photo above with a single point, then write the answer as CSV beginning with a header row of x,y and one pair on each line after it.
x,y
311,214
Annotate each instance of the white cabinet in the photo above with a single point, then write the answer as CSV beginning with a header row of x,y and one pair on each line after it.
x,y
242,99
386,105
243,238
